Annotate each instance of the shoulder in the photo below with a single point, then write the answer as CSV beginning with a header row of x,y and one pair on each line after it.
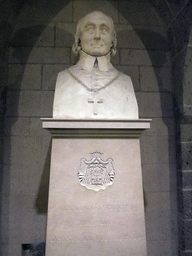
x,y
66,72
63,77
125,78
63,73
122,77
124,83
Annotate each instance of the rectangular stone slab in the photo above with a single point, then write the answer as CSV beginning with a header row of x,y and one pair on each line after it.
x,y
84,222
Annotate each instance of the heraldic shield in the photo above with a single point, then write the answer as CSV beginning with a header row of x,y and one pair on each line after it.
x,y
96,174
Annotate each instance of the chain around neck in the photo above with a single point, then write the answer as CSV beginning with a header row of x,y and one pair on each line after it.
x,y
95,89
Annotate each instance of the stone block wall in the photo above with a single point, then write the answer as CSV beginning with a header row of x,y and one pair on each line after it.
x,y
39,48
180,22
184,158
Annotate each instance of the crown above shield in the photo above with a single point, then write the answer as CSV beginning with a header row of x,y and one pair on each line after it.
x,y
96,173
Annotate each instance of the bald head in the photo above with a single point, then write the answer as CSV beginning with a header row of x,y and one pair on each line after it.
x,y
95,35
96,15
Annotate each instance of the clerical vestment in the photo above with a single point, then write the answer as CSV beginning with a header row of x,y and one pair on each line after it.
x,y
94,89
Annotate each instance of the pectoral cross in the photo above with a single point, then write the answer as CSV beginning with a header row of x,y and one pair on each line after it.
x,y
95,101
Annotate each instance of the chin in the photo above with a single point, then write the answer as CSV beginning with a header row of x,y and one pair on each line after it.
x,y
97,53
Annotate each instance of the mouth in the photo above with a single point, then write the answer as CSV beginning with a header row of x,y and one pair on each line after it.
x,y
97,45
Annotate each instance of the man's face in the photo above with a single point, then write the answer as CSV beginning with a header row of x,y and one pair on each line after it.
x,y
96,34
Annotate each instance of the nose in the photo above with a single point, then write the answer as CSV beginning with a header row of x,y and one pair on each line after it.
x,y
97,33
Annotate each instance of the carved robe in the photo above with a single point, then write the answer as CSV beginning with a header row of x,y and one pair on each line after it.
x,y
86,91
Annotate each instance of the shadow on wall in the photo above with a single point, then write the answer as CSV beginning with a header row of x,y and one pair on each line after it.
x,y
41,203
26,36
33,249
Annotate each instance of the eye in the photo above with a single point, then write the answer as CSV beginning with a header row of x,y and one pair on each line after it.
x,y
90,29
104,30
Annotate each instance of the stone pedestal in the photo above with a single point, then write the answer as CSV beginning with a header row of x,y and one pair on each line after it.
x,y
95,195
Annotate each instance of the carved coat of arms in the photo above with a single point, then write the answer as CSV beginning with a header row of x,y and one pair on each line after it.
x,y
96,173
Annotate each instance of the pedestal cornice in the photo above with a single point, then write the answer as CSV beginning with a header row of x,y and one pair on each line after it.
x,y
68,128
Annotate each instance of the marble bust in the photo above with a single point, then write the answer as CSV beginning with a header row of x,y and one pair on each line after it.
x,y
93,88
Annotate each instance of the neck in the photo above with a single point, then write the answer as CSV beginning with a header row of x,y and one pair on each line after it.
x,y
87,61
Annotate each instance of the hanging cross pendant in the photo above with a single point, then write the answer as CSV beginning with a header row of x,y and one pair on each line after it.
x,y
95,100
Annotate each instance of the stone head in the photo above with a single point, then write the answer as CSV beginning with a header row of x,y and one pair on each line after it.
x,y
95,35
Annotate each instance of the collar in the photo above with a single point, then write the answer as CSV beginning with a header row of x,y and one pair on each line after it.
x,y
87,61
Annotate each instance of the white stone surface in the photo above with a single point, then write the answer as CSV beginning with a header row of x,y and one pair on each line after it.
x,y
94,90
82,221
138,124
85,222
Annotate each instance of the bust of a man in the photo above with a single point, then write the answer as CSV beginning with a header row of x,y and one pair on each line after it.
x,y
93,88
